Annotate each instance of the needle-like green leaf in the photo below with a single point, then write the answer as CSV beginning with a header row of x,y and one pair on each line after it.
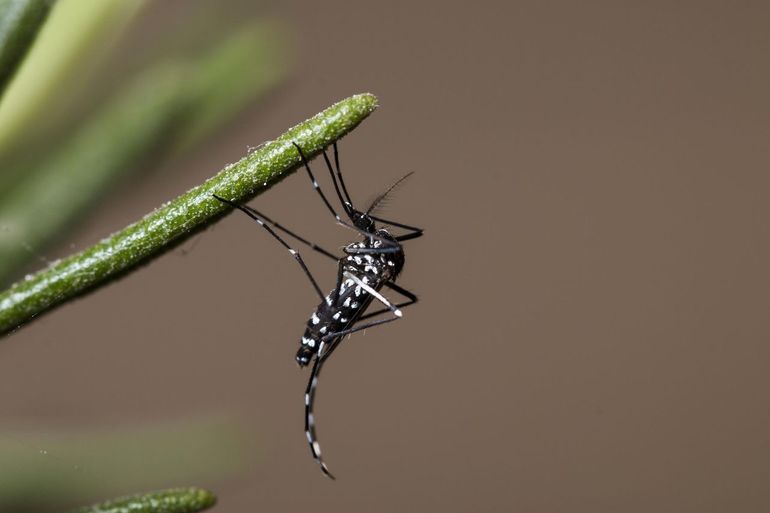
x,y
20,21
179,218
181,500
166,105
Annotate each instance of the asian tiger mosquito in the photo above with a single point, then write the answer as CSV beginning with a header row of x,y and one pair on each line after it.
x,y
367,266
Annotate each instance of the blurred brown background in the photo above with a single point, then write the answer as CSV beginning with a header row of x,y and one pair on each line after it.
x,y
593,328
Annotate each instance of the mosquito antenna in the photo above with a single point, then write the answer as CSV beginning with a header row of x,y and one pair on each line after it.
x,y
379,199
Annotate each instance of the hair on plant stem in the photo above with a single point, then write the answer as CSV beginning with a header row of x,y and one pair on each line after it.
x,y
176,220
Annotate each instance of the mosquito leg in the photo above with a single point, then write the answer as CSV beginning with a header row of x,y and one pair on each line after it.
x,y
409,236
375,294
346,203
340,271
315,447
282,228
371,251
397,314
333,340
389,247
315,184
339,173
353,330
292,251
331,208
412,299
414,232
394,223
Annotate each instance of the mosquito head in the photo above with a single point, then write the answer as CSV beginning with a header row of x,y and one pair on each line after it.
x,y
362,221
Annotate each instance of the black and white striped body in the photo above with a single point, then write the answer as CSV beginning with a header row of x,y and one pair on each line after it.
x,y
361,276
344,306
368,267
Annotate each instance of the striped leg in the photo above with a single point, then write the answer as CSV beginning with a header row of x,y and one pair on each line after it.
x,y
312,384
258,218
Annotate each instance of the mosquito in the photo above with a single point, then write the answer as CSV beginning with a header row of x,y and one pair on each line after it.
x,y
367,267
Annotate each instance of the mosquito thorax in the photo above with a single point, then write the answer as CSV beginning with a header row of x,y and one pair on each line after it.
x,y
396,259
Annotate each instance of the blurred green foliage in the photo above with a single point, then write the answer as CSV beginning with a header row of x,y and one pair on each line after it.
x,y
42,471
179,101
66,139
20,21
63,55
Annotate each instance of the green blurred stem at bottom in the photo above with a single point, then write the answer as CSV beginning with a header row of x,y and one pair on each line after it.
x,y
180,500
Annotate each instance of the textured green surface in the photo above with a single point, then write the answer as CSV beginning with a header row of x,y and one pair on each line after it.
x,y
179,101
50,195
179,218
182,500
20,21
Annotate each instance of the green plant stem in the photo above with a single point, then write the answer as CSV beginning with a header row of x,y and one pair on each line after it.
x,y
147,117
181,500
179,218
20,21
